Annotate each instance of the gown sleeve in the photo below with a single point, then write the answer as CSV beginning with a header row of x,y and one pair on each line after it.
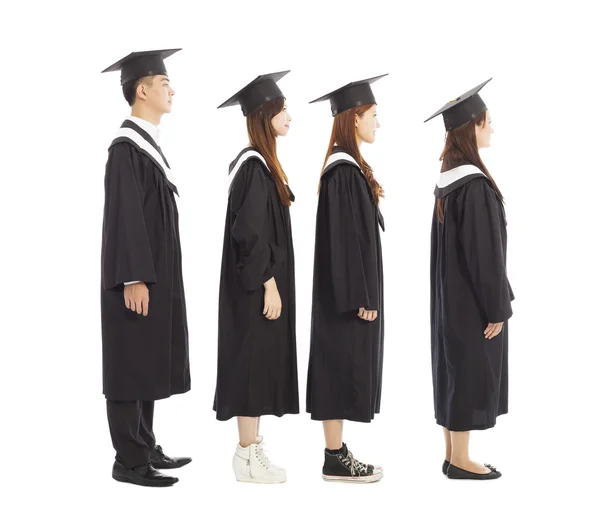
x,y
481,239
352,239
127,255
249,197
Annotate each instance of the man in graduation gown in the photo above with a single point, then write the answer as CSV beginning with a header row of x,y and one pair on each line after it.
x,y
144,326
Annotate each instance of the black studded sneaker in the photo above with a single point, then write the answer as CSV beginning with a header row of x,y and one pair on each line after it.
x,y
341,466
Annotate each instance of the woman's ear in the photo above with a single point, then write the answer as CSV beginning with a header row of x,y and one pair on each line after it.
x,y
356,120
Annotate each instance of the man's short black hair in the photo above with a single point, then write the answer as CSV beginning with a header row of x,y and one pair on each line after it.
x,y
130,88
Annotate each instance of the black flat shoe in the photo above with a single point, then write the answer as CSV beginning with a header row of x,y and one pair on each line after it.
x,y
445,467
144,475
458,473
160,461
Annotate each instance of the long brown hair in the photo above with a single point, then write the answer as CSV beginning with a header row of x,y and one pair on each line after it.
x,y
264,139
461,149
344,134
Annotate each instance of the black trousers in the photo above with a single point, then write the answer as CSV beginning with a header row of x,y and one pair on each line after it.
x,y
130,424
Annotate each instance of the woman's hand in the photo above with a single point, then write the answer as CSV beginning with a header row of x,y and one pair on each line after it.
x,y
272,308
492,330
367,315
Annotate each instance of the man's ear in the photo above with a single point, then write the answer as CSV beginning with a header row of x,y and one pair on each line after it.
x,y
141,91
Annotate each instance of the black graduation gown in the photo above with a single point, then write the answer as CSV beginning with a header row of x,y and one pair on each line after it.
x,y
144,358
257,370
469,289
346,352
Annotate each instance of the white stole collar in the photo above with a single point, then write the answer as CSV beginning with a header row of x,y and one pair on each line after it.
x,y
241,158
133,132
338,157
453,175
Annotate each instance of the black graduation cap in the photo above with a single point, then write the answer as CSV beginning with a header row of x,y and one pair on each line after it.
x,y
259,91
138,65
463,109
354,94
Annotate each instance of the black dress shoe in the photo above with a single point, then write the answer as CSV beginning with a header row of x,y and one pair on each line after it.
x,y
458,473
160,461
144,475
445,467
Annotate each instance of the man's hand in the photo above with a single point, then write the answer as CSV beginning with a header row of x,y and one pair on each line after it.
x,y
137,298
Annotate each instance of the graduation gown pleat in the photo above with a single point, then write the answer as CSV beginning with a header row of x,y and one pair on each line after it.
x,y
144,358
257,370
469,289
346,352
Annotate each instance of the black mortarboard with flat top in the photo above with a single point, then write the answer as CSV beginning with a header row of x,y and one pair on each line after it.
x,y
262,89
141,64
354,94
463,109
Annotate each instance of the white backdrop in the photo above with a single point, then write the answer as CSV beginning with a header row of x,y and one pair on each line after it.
x,y
59,116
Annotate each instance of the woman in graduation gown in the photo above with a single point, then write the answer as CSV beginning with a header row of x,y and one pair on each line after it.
x,y
470,293
346,350
257,373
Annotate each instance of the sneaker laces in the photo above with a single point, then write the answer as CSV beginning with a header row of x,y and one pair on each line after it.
x,y
262,456
356,466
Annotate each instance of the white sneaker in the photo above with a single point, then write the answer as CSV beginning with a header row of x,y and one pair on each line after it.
x,y
251,464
